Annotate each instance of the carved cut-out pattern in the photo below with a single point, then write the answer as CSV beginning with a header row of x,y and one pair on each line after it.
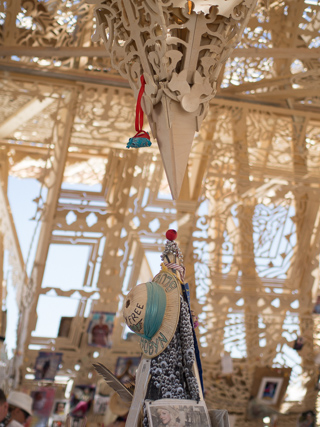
x,y
248,219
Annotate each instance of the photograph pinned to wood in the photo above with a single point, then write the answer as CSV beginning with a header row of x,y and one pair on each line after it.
x,y
43,399
59,408
177,413
316,308
307,419
100,404
299,343
269,390
317,385
47,365
64,327
126,368
81,400
100,329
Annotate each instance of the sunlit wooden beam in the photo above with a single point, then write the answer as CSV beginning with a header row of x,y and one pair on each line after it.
x,y
61,140
23,115
97,51
11,243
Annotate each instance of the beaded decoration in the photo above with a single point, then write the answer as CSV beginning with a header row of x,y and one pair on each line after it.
x,y
139,140
172,376
171,248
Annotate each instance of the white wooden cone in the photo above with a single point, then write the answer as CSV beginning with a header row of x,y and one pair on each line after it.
x,y
174,140
179,47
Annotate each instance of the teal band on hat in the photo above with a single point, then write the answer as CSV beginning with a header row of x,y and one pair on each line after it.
x,y
156,307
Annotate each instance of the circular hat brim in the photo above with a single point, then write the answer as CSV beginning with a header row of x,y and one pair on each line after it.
x,y
162,338
118,406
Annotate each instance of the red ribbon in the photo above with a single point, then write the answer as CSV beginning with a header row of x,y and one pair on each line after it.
x,y
139,112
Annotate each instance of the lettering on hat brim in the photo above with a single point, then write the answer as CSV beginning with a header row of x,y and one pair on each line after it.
x,y
151,347
167,281
134,320
137,327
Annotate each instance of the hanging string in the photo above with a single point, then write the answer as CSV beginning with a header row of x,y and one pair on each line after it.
x,y
139,110
141,138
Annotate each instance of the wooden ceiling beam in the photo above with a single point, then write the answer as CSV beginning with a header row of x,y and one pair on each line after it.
x,y
263,83
100,51
23,115
67,78
63,77
284,94
255,104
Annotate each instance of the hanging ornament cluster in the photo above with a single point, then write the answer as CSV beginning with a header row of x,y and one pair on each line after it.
x,y
141,138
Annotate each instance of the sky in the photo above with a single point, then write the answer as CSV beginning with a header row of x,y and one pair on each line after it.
x,y
64,268
21,192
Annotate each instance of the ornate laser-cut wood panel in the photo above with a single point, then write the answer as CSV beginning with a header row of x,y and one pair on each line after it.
x,y
178,48
247,217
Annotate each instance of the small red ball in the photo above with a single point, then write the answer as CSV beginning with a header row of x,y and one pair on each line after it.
x,y
171,234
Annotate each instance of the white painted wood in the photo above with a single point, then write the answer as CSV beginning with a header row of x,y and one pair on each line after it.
x,y
178,66
142,379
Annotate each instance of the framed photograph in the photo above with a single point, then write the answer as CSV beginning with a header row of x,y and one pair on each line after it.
x,y
64,327
43,399
59,408
38,421
126,368
177,412
307,419
81,400
269,390
299,343
100,404
317,386
262,372
100,329
316,308
47,365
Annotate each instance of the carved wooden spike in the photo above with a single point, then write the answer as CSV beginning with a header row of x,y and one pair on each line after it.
x,y
180,51
174,140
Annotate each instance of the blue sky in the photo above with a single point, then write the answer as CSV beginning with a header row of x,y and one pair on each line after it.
x,y
58,272
21,192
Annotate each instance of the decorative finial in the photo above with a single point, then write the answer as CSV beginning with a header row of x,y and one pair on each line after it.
x,y
171,235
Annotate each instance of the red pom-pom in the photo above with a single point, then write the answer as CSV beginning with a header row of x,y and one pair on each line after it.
x,y
171,234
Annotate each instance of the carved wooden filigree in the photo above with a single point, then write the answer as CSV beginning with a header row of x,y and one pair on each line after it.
x,y
179,49
247,218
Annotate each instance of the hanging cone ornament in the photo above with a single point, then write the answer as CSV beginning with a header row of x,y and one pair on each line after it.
x,y
141,138
179,47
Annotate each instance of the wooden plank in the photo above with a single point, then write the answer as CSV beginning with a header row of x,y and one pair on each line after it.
x,y
100,51
23,115
53,52
63,78
61,139
256,105
142,379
